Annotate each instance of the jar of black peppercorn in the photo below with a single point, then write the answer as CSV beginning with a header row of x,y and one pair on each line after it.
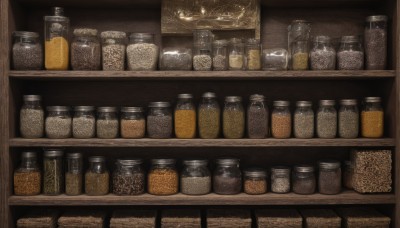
x,y
129,177
257,117
330,177
304,181
27,52
53,178
227,177
159,120
85,50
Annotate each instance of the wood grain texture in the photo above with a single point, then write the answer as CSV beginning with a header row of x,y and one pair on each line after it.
x,y
396,50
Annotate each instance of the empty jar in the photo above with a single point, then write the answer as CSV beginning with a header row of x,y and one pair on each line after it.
x,y
275,59
209,115
330,177
227,177
27,52
31,117
107,124
233,119
159,120
253,54
58,122
195,177
185,117
304,180
372,118
74,174
281,120
85,50
323,55
53,176
84,122
326,119
163,178
303,122
142,52
27,178
351,54
129,177
280,179
133,122
375,42
255,181
220,55
97,177
113,50
176,59
348,119
236,54
257,117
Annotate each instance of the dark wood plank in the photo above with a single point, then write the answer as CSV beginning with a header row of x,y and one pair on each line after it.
x,y
396,103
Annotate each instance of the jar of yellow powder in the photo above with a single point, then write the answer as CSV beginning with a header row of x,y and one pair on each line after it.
x,y
185,117
372,118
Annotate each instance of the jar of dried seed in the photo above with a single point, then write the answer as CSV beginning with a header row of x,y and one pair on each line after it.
x,y
202,41
220,55
53,176
195,177
323,55
142,53
97,177
133,122
326,119
159,120
348,174
375,42
281,120
233,119
351,54
27,52
113,50
280,179
227,176
303,122
58,122
85,50
255,181
304,180
257,117
107,123
300,55
84,122
27,178
253,54
348,120
372,118
209,117
236,54
330,177
32,117
163,177
74,174
185,117
129,177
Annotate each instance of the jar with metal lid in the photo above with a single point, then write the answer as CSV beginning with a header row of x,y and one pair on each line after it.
x,y
233,119
53,177
303,122
209,116
255,181
326,119
162,178
348,174
375,42
113,50
280,179
275,59
185,117
74,174
85,50
372,118
27,178
133,122
227,177
330,177
348,119
107,123
195,177
351,54
142,53
304,180
281,120
27,52
84,122
298,30
58,122
176,59
323,55
159,120
220,55
31,117
129,177
253,54
257,117
300,55
236,54
97,177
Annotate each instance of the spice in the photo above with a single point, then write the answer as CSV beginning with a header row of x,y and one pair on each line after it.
x,y
281,125
159,126
257,122
233,124
202,62
195,185
209,123
304,125
235,62
375,48
255,186
280,185
133,129
254,59
56,53
330,178
113,57
107,128
304,181
142,56
31,123
27,183
326,124
185,124
73,184
226,185
323,59
350,60
52,175
83,127
372,124
300,61
128,184
97,184
27,56
163,181
58,127
220,63
348,124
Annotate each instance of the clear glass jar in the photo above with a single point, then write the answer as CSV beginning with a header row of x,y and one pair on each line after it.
x,y
85,50
133,122
280,179
253,54
227,178
300,55
142,53
107,123
372,118
303,123
74,174
281,120
348,120
31,117
351,54
159,120
97,177
375,42
323,55
326,119
236,54
129,177
195,177
220,55
27,52
348,174
304,180
202,45
58,122
56,46
209,116
257,117
255,181
84,122
53,178
185,117
202,37
330,177
27,178
163,177
176,59
233,118
113,50
298,30
275,59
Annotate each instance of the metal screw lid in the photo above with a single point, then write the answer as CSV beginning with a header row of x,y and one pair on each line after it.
x,y
329,164
132,109
257,97
281,103
163,161
32,98
53,153
185,96
196,162
227,161
376,18
349,39
74,155
97,159
348,102
58,108
29,154
303,103
304,168
25,34
129,162
209,95
255,172
159,104
84,108
107,109
372,99
141,36
322,39
280,170
327,102
233,99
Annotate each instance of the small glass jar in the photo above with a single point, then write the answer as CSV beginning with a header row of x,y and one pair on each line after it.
x,y
113,50
53,178
236,54
372,118
195,177
202,40
253,54
85,50
351,54
304,180
348,174
255,181
31,117
275,59
129,177
375,42
298,30
303,123
133,122
348,119
281,120
220,55
257,117
323,55
163,177
84,122
142,53
27,52
233,119
280,179
330,177
74,174
326,119
209,117
97,177
58,122
159,120
27,178
227,178
300,55
107,123
176,59
185,117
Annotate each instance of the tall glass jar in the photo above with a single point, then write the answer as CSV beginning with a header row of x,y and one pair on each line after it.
x,y
372,118
326,119
303,122
142,53
304,180
97,177
202,47
220,55
257,117
163,178
255,181
185,117
129,177
85,50
227,177
27,178
133,122
323,55
375,42
281,120
233,119
280,179
300,55
236,54
330,177
348,174
58,122
351,54
159,120
53,178
195,177
253,54
298,30
275,59
107,123
209,117
74,174
84,122
27,52
31,117
113,50
348,120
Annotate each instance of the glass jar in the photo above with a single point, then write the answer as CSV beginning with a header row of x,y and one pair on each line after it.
x,y
220,55
275,59
253,54
163,177
58,122
323,55
255,181
107,123
56,40
159,120
236,54
257,117
298,30
281,120
209,116
233,119
85,50
304,180
330,177
142,53
27,52
185,117
351,54
202,40
113,50
129,177
53,181
84,122
97,177
326,119
202,37
300,55
348,174
303,122
375,42
195,177
280,179
348,119
176,59
133,123
74,174
227,177
27,178
32,117
372,118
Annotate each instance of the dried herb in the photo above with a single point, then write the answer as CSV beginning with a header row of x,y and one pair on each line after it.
x,y
128,184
